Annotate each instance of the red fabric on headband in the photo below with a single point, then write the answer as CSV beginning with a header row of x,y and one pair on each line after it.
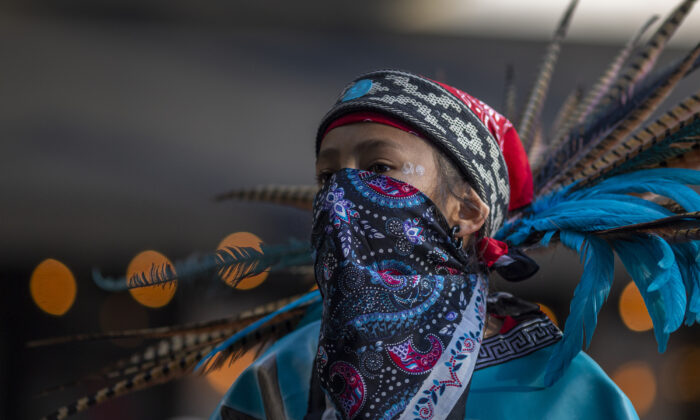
x,y
519,173
357,117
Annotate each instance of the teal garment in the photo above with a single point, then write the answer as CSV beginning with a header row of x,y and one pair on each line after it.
x,y
511,390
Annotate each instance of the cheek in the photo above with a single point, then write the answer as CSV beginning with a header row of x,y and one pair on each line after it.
x,y
420,175
410,168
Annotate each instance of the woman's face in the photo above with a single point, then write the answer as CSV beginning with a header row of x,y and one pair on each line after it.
x,y
381,149
393,152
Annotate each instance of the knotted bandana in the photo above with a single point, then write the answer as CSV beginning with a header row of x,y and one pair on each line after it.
x,y
402,315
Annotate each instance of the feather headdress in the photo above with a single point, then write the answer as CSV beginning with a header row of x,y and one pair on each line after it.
x,y
607,182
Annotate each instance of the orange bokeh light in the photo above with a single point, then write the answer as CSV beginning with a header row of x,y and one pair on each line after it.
x,y
53,287
222,378
633,311
243,239
637,381
152,296
549,312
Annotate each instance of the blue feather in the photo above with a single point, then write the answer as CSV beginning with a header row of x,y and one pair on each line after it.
x,y
668,276
591,292
645,258
688,257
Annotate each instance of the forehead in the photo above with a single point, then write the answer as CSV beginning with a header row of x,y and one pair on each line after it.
x,y
367,137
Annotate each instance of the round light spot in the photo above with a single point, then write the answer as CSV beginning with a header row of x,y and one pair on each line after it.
x,y
243,239
632,309
549,312
637,381
155,296
53,287
221,379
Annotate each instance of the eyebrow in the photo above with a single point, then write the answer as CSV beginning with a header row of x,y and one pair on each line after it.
x,y
376,143
363,147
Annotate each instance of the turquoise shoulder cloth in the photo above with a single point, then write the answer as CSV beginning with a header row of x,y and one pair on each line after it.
x,y
510,390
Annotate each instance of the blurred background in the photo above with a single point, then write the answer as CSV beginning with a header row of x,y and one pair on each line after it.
x,y
122,119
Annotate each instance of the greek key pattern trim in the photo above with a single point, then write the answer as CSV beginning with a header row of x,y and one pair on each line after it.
x,y
522,340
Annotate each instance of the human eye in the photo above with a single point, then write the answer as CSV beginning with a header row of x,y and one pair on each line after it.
x,y
322,177
379,168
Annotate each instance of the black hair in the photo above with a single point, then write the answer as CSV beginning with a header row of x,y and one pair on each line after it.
x,y
450,182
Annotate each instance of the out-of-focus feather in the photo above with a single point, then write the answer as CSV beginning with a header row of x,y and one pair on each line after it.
x,y
538,146
172,366
166,350
534,104
164,372
299,196
643,61
271,331
224,349
234,321
509,96
639,115
586,106
232,263
566,111
559,164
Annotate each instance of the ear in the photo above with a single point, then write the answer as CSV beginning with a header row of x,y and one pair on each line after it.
x,y
471,218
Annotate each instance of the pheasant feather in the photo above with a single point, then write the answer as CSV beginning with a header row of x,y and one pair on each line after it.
x,y
299,196
232,263
533,108
586,106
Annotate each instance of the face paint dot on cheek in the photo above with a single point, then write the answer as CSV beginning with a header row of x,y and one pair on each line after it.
x,y
407,168
420,170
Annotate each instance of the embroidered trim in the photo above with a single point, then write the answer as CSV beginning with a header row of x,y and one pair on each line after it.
x,y
523,339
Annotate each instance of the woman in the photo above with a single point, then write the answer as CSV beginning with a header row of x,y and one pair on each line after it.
x,y
424,191
415,179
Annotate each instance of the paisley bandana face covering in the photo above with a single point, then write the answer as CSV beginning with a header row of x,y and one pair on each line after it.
x,y
402,318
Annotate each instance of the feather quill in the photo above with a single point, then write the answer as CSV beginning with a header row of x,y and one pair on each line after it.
x,y
299,196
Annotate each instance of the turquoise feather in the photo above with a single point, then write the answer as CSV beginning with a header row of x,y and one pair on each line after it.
x,y
666,305
591,292
667,275
688,257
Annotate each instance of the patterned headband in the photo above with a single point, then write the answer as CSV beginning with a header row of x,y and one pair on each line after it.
x,y
482,143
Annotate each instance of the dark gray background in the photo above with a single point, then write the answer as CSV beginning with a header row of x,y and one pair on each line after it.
x,y
121,120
